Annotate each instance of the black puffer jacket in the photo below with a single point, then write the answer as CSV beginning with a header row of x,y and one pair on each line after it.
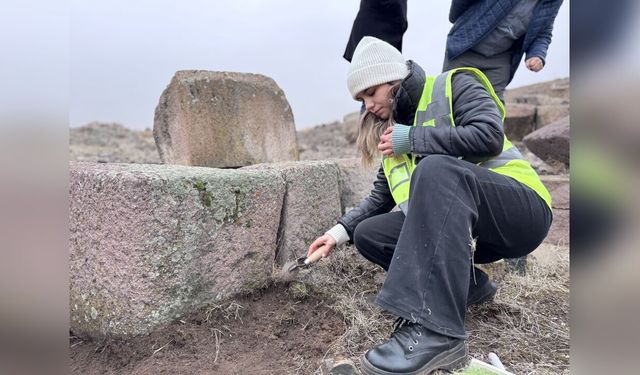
x,y
477,136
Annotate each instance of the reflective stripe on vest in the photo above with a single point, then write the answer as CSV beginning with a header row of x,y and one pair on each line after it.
x,y
435,108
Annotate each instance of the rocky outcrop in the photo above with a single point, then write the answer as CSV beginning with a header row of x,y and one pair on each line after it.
x,y
312,204
535,106
559,189
351,122
326,141
519,121
551,143
222,119
558,90
549,114
151,242
112,143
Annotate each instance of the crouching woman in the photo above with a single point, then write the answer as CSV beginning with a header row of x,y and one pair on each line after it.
x,y
465,195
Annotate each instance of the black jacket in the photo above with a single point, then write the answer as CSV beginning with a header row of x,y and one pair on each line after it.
x,y
477,136
383,19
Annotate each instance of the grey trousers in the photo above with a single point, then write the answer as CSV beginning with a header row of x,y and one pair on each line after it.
x,y
497,68
428,253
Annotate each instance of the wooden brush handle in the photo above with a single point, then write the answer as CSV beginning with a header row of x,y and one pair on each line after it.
x,y
315,255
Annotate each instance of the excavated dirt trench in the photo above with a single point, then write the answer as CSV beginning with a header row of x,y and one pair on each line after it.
x,y
273,331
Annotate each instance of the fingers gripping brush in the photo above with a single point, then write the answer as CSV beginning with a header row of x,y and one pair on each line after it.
x,y
291,268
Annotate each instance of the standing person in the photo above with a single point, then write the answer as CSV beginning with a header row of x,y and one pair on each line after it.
x,y
383,19
465,195
494,35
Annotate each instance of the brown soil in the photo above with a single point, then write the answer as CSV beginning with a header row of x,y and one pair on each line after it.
x,y
270,332
327,313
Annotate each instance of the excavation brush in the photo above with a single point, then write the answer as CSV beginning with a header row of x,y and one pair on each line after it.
x,y
290,269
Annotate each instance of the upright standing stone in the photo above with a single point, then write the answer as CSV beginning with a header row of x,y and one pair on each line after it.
x,y
222,119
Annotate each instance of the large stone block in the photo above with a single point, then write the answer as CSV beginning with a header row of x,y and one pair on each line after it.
x,y
551,143
559,233
311,204
356,182
222,119
149,243
520,120
559,188
548,114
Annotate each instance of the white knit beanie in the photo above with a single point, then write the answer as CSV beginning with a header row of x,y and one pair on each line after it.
x,y
374,62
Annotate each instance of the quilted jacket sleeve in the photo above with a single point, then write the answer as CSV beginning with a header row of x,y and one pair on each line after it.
x,y
478,132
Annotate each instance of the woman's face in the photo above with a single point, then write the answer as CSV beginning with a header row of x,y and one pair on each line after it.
x,y
377,100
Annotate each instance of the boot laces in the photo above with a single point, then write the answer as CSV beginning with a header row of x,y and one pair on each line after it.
x,y
404,330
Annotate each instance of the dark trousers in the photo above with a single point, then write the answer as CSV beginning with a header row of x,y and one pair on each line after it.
x,y
497,68
428,254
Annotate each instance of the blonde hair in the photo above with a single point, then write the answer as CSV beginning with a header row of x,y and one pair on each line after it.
x,y
371,128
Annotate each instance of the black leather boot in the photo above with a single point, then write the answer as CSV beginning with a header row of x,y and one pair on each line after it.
x,y
413,349
481,289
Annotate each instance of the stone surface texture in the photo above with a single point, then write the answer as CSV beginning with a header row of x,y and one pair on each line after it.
x,y
223,119
149,243
551,143
559,188
311,204
356,182
548,114
519,121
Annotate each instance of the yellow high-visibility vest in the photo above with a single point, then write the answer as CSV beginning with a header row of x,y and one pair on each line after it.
x,y
436,109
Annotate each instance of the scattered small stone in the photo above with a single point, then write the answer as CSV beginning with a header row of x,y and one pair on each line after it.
x,y
344,367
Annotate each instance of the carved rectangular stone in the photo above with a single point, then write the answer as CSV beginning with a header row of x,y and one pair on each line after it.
x,y
224,119
149,243
312,204
356,181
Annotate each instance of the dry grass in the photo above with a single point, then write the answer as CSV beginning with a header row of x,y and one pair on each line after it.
x,y
526,325
347,280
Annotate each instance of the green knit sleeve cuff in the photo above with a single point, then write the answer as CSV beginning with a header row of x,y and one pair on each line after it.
x,y
401,140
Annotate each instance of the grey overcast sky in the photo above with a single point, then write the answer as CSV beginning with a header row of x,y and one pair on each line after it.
x,y
123,53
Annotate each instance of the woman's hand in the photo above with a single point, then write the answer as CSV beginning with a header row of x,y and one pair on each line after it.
x,y
534,64
386,142
325,240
